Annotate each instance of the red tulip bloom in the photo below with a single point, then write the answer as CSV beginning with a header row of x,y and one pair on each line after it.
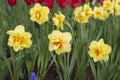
x,y
12,2
74,3
49,3
101,1
34,1
28,2
62,3
83,1
40,1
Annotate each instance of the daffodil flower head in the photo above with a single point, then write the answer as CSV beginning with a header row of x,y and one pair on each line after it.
x,y
82,18
117,2
77,11
115,10
60,41
100,13
18,38
108,5
58,20
39,13
82,14
88,10
99,51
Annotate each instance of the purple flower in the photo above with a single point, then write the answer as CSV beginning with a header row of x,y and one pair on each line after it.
x,y
33,76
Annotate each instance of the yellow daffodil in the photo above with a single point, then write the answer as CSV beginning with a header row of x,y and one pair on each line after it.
x,y
108,5
115,10
77,11
58,20
39,13
18,38
88,10
60,42
82,18
99,50
117,2
100,13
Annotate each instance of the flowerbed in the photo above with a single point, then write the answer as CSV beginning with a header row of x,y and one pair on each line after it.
x,y
70,40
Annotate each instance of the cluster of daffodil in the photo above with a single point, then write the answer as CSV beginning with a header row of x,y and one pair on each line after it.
x,y
82,14
73,40
60,41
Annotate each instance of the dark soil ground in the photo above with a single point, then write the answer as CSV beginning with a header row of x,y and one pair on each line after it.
x,y
52,74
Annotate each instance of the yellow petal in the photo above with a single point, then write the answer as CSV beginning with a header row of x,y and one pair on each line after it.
x,y
20,28
67,36
16,47
51,48
27,43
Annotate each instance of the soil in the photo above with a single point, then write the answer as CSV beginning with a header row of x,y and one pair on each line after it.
x,y
52,74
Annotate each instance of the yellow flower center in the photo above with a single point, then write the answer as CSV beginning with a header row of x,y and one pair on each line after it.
x,y
37,14
58,43
98,13
119,3
80,17
98,52
18,39
87,11
108,5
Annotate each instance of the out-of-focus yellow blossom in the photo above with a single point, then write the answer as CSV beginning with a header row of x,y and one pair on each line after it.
x,y
18,38
82,18
115,10
104,16
117,2
39,13
99,50
87,10
97,12
60,42
108,5
100,13
77,11
58,20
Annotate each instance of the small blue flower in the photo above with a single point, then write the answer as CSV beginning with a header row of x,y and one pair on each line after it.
x,y
33,76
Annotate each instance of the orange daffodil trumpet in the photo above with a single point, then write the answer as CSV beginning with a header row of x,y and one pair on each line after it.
x,y
18,38
39,13
58,20
99,50
60,42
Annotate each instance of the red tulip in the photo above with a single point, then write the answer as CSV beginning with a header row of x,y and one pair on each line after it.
x,y
49,3
101,1
74,3
62,3
28,2
34,1
83,1
12,2
41,1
